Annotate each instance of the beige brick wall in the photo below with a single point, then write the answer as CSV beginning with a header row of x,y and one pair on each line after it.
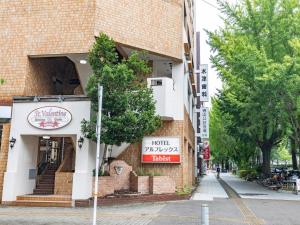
x,y
153,25
63,183
181,173
48,27
4,154
40,27
161,185
139,183
105,186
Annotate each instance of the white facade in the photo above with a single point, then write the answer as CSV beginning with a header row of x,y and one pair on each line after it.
x,y
23,156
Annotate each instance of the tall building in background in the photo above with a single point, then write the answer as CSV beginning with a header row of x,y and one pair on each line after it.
x,y
44,64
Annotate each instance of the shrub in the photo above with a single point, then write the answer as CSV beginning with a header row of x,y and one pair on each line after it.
x,y
184,191
248,174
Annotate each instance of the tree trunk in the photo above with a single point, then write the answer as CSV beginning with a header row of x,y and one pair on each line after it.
x,y
293,152
266,166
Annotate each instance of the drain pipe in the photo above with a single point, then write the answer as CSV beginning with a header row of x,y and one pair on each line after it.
x,y
204,214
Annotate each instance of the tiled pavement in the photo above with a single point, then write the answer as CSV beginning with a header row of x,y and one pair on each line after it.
x,y
209,188
252,190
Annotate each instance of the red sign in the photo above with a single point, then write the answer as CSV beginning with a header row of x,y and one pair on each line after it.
x,y
161,158
161,150
206,153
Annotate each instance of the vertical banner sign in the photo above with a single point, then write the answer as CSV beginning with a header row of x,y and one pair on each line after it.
x,y
206,151
204,122
161,150
204,97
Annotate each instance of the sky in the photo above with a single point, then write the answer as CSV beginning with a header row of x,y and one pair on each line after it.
x,y
208,17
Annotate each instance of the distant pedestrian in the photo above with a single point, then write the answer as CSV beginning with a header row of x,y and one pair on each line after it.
x,y
218,172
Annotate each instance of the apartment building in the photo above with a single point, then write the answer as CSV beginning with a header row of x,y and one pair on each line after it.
x,y
44,46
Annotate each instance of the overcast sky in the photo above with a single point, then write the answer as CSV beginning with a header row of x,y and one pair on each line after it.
x,y
208,17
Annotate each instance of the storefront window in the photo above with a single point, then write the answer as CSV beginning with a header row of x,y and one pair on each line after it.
x,y
1,129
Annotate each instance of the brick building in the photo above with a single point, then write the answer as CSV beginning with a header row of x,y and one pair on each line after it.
x,y
44,47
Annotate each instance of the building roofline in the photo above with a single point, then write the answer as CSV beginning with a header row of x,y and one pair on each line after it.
x,y
50,98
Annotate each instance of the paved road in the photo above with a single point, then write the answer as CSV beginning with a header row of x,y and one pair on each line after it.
x,y
224,209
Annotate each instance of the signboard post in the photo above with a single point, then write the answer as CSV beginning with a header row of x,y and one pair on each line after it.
x,y
161,150
98,132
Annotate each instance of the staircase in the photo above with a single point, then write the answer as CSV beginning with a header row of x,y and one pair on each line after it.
x,y
45,185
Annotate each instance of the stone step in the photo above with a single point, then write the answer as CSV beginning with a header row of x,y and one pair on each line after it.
x,y
46,182
44,186
45,198
43,203
43,191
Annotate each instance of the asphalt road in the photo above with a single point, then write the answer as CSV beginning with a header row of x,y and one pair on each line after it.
x,y
222,212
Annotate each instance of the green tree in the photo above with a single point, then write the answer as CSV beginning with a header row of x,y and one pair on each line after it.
x,y
1,81
128,111
225,147
254,53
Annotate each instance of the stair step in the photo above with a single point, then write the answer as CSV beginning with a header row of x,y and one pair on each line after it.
x,y
46,181
45,197
43,192
45,186
43,203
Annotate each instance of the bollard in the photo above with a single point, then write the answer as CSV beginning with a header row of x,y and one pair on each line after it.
x,y
204,214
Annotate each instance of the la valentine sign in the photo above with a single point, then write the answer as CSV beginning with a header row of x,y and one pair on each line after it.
x,y
49,117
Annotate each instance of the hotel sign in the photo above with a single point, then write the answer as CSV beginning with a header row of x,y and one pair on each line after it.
x,y
161,150
49,117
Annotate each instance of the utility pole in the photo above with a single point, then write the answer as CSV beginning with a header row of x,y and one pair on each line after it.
x,y
98,132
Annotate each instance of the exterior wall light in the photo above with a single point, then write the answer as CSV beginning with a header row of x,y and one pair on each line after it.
x,y
80,142
12,142
83,61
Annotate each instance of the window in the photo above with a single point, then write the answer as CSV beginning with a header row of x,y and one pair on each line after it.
x,y
1,129
156,82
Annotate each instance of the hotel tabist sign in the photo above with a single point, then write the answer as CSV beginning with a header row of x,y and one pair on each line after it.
x,y
161,150
49,117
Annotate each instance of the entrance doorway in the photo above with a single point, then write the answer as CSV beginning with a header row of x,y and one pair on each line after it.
x,y
55,155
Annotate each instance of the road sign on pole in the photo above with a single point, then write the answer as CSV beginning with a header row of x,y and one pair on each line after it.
x,y
98,132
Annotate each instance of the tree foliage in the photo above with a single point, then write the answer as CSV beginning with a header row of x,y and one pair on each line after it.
x,y
257,57
128,111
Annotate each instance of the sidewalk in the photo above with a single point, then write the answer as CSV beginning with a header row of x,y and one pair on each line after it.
x,y
209,188
252,190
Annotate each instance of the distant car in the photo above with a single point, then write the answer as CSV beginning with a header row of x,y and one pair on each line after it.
x,y
224,170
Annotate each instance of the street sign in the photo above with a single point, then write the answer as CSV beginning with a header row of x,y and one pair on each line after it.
x,y
204,96
204,122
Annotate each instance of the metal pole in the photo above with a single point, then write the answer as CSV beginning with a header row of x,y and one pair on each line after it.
x,y
98,132
204,214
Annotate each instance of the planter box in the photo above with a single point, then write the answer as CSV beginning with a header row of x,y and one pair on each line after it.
x,y
161,185
139,183
105,186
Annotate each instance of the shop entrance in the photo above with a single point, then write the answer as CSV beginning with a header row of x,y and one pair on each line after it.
x,y
56,155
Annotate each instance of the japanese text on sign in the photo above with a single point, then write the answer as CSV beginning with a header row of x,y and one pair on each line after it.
x,y
204,122
204,96
161,150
